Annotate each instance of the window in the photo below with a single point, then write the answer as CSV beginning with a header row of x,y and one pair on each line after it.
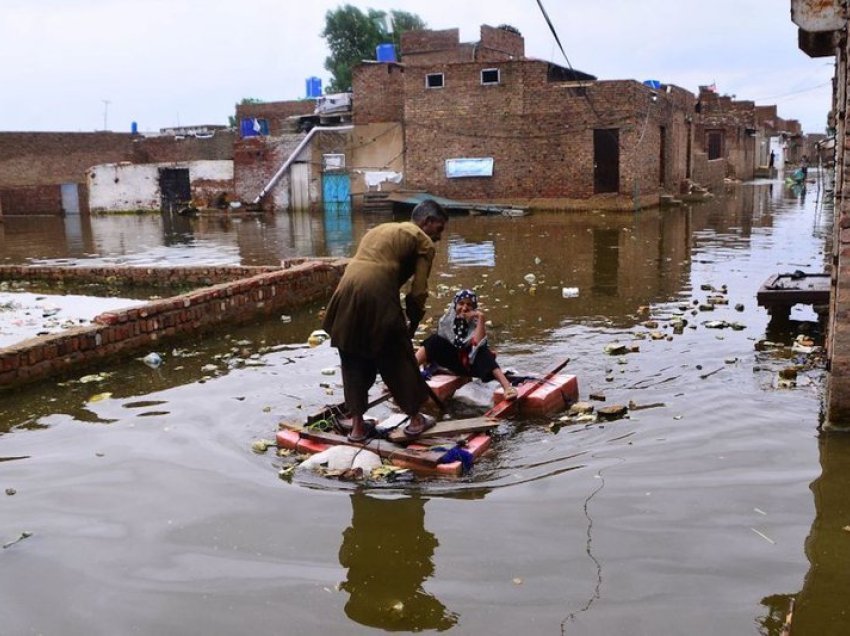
x,y
489,76
434,80
714,143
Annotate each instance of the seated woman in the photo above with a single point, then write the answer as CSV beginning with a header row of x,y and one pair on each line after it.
x,y
460,344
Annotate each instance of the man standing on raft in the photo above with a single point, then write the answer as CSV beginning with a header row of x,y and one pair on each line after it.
x,y
366,323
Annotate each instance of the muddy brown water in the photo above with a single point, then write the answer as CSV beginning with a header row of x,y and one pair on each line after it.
x,y
150,514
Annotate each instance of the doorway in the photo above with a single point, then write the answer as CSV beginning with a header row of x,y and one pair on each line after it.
x,y
606,160
175,191
70,198
299,182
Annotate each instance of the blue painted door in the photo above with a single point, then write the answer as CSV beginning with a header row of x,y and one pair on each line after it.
x,y
336,189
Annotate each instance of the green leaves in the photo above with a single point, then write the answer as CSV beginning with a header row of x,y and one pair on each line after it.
x,y
352,36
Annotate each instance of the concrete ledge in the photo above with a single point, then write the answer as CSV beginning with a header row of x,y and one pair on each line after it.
x,y
116,334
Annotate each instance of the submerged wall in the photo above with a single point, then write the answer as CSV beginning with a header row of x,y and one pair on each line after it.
x,y
125,187
116,334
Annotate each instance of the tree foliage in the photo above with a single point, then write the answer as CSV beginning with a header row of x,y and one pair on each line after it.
x,y
353,36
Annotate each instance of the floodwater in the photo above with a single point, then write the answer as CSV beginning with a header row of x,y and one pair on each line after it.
x,y
705,514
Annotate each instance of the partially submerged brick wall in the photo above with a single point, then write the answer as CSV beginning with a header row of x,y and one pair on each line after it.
x,y
138,276
119,333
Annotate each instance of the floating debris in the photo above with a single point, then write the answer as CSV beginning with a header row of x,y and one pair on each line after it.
x,y
615,349
24,535
260,446
317,337
153,360
613,412
764,536
569,292
581,408
95,377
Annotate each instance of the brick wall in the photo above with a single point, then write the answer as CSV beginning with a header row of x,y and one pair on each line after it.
x,y
837,398
172,277
432,47
501,41
33,165
256,160
172,149
379,93
710,174
120,333
277,114
36,158
31,200
427,41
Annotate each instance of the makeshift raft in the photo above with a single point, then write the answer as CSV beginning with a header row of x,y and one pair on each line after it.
x,y
434,451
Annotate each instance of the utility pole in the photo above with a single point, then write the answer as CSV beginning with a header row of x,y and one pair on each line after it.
x,y
106,103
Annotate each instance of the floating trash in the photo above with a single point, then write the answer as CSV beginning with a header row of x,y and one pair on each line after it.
x,y
569,292
262,445
153,360
317,337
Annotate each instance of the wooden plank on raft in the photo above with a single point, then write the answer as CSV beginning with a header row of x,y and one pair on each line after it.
x,y
380,447
448,428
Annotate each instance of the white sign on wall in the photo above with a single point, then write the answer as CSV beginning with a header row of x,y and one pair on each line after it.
x,y
469,167
333,162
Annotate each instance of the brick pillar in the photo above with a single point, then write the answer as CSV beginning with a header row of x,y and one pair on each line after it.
x,y
838,338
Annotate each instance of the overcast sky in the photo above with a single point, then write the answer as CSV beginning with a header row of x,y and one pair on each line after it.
x,y
83,65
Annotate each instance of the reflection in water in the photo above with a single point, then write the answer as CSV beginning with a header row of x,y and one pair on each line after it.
x,y
820,608
388,553
176,229
464,253
606,261
339,234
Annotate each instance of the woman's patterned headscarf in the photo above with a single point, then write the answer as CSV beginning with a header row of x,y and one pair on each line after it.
x,y
467,294
461,327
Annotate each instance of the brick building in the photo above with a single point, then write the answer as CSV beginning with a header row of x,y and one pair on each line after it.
x,y
547,136
532,132
46,173
824,32
475,121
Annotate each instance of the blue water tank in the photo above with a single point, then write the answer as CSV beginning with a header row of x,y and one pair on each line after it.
x,y
653,84
314,87
385,53
134,128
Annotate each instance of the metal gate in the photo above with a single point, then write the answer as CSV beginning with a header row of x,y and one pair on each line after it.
x,y
174,188
336,190
299,186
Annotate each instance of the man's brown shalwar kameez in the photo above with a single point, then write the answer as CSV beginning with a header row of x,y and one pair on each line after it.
x,y
365,320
